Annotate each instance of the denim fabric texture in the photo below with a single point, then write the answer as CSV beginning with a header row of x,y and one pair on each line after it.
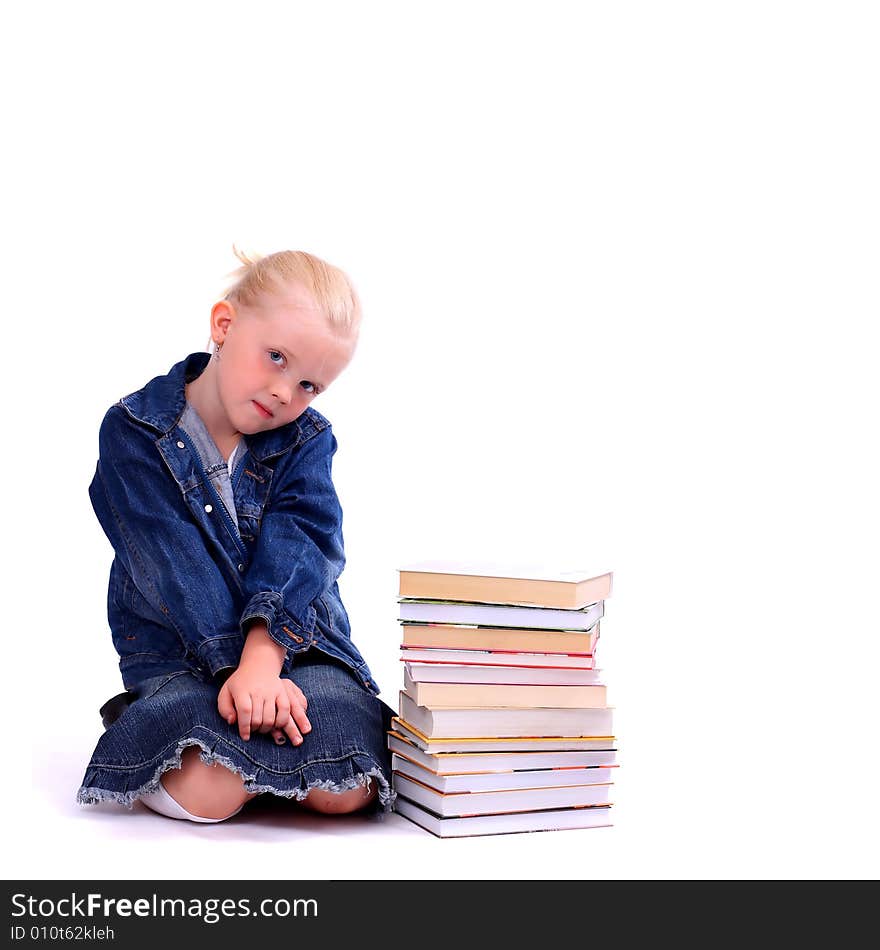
x,y
345,748
199,556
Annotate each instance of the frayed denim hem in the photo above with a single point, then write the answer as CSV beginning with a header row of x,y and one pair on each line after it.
x,y
143,778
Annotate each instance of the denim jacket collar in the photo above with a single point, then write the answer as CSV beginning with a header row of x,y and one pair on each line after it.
x,y
161,402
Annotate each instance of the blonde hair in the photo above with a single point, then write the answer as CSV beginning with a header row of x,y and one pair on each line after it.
x,y
328,285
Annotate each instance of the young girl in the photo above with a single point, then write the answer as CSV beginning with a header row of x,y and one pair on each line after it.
x,y
214,487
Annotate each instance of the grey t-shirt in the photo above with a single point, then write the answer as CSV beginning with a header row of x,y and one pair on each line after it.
x,y
218,470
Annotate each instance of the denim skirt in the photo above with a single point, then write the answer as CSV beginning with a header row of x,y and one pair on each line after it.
x,y
347,744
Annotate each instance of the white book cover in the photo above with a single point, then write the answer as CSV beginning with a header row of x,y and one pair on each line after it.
x,y
500,615
565,819
457,762
501,781
488,803
512,675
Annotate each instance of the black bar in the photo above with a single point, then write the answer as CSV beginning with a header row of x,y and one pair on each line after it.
x,y
428,913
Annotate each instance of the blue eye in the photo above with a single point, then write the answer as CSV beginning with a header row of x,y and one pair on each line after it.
x,y
275,353
305,383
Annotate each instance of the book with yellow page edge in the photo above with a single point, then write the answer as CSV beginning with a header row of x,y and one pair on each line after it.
x,y
507,695
447,636
500,721
459,804
437,745
466,759
501,781
492,582
559,819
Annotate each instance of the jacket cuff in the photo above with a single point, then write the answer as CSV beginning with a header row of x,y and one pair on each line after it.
x,y
222,675
220,652
295,634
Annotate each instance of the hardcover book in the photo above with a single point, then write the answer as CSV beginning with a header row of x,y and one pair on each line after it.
x,y
455,722
436,745
456,763
507,695
524,675
597,816
495,615
500,781
464,637
495,658
488,582
489,803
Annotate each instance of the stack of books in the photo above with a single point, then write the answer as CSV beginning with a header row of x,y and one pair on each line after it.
x,y
503,724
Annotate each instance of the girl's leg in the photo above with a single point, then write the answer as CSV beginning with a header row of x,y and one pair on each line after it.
x,y
318,800
162,803
340,803
202,792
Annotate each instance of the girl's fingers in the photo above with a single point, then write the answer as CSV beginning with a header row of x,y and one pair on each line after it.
x,y
299,717
258,717
269,715
225,705
297,697
282,711
243,708
300,695
283,720
276,715
293,733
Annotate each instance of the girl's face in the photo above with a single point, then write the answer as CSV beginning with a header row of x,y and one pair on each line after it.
x,y
277,355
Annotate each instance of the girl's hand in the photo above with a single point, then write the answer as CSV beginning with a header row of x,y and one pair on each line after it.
x,y
264,702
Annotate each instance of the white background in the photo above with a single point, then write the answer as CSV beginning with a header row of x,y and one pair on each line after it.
x,y
619,271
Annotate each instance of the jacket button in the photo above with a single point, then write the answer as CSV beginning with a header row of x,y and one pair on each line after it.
x,y
241,568
180,445
208,508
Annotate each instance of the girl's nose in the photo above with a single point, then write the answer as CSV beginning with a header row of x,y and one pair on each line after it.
x,y
283,394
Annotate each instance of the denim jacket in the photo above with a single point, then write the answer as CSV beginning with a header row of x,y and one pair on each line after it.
x,y
188,578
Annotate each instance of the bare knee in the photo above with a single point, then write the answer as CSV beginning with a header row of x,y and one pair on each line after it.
x,y
207,791
340,803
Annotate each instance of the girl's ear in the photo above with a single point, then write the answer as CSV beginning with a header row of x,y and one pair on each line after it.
x,y
222,314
